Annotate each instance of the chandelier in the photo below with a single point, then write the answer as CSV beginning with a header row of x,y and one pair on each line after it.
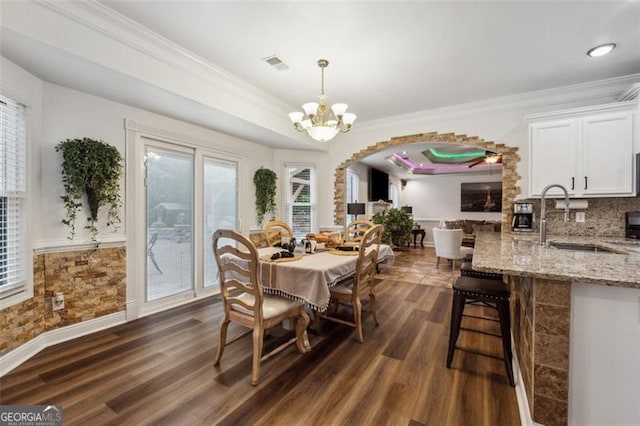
x,y
320,122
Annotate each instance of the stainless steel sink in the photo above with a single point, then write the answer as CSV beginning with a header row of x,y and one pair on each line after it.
x,y
583,247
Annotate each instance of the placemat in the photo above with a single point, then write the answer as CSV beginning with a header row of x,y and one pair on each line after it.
x,y
343,253
267,258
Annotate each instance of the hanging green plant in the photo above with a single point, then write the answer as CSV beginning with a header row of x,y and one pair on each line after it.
x,y
90,167
265,181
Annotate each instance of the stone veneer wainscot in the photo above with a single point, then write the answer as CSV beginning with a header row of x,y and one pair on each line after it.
x,y
93,283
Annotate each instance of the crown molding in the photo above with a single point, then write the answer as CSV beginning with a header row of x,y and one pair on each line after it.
x,y
576,112
631,93
106,21
594,92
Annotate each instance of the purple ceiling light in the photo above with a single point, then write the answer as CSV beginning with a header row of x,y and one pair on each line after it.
x,y
421,169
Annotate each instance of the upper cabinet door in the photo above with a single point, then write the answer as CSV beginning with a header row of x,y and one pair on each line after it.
x,y
607,154
590,151
553,153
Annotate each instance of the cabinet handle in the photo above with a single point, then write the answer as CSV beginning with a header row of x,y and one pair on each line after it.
x,y
586,183
573,183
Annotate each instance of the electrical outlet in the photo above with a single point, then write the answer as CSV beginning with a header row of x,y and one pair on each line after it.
x,y
57,302
581,217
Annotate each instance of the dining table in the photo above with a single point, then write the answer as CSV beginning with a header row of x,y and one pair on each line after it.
x,y
309,276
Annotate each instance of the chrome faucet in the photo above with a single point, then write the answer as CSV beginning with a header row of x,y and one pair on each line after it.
x,y
543,213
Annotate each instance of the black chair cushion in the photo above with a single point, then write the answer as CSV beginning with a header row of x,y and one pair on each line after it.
x,y
481,287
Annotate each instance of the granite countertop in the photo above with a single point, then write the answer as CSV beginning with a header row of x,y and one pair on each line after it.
x,y
521,255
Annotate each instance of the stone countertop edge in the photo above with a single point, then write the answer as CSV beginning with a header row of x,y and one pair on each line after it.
x,y
521,255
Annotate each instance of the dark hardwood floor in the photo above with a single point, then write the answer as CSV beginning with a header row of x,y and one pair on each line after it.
x,y
159,369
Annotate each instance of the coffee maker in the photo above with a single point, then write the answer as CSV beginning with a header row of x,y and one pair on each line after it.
x,y
632,225
523,217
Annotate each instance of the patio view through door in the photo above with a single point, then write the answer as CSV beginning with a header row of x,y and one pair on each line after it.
x,y
169,216
189,193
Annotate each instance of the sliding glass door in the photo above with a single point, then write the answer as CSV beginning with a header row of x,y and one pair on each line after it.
x,y
187,192
169,217
220,208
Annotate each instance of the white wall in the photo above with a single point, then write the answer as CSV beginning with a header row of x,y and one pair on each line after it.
x,y
438,196
56,113
499,120
72,114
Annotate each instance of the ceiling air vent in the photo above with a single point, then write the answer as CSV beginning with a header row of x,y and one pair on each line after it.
x,y
275,62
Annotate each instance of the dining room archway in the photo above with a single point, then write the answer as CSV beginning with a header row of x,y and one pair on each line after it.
x,y
510,160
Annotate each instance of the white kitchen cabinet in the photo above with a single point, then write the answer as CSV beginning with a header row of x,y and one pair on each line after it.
x,y
552,155
590,151
607,154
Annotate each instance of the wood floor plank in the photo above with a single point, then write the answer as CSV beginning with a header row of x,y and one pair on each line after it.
x,y
402,342
88,362
159,369
441,307
416,294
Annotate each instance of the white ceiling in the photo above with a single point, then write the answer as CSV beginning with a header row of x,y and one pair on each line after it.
x,y
386,58
392,58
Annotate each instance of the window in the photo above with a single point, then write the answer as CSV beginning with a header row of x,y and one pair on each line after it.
x,y
300,199
13,192
351,192
394,195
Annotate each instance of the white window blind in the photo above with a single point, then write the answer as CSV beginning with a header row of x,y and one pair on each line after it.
x,y
300,199
352,192
394,195
13,191
352,187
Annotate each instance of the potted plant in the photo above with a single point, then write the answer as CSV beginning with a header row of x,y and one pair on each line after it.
x,y
265,181
90,167
397,226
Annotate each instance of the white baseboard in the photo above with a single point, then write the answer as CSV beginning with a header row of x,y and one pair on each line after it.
x,y
22,353
132,309
521,394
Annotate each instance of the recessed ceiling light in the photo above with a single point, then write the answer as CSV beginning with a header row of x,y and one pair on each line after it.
x,y
601,50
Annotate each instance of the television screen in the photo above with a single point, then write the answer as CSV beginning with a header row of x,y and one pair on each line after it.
x,y
378,185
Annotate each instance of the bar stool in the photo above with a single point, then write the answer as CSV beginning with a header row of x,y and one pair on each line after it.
x,y
467,271
488,291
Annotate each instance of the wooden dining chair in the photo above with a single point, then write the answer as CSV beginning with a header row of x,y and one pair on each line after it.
x,y
246,304
356,229
274,230
362,284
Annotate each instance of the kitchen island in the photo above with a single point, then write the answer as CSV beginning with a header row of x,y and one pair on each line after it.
x,y
575,308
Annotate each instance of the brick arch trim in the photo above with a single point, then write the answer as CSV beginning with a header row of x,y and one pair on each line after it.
x,y
510,160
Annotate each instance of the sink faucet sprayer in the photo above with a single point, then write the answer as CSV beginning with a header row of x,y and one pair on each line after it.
x,y
543,213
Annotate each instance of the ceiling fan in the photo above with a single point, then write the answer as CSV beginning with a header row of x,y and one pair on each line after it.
x,y
489,157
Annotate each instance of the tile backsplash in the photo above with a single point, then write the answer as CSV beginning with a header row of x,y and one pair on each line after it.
x,y
604,217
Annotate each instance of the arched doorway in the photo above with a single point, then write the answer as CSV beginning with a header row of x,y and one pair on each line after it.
x,y
510,159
